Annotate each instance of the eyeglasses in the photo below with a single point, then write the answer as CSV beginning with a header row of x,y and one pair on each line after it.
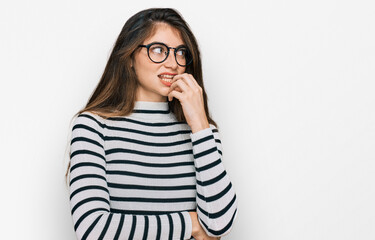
x,y
158,52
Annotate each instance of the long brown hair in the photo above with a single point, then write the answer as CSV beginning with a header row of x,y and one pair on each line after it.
x,y
115,93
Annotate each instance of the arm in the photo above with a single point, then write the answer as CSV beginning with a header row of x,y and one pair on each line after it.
x,y
216,198
89,195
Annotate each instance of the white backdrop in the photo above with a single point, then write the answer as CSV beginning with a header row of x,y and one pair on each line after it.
x,y
290,84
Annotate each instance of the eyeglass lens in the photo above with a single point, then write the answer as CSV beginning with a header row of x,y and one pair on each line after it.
x,y
159,52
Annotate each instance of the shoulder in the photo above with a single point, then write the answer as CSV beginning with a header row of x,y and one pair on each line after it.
x,y
89,119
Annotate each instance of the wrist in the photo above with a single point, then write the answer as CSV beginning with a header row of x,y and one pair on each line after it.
x,y
200,126
194,223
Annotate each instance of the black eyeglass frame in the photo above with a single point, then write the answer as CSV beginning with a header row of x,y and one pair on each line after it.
x,y
175,50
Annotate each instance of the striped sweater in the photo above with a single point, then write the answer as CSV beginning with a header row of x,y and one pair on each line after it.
x,y
137,177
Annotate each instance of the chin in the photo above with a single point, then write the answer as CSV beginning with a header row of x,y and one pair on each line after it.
x,y
164,92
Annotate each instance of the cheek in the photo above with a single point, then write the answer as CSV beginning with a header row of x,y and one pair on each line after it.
x,y
181,70
144,68
146,71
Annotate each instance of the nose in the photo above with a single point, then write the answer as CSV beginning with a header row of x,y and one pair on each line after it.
x,y
170,62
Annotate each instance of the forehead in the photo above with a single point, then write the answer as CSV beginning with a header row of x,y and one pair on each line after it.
x,y
165,33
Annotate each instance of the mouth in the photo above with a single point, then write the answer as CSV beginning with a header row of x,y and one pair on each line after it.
x,y
166,78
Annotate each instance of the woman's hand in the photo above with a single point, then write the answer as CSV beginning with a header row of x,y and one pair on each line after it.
x,y
186,89
198,232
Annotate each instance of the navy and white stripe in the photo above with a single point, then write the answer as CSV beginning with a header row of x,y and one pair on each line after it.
x,y
137,177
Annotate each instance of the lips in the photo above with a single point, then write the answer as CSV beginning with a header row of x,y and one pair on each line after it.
x,y
166,77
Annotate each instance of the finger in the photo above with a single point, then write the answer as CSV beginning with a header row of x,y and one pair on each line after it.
x,y
193,80
188,79
175,94
181,84
178,89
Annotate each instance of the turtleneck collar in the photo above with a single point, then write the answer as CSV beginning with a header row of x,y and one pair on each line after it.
x,y
153,106
152,112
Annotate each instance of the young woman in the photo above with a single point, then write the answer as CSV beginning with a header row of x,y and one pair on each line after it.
x,y
145,156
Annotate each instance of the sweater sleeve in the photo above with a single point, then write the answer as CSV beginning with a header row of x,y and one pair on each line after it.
x,y
216,198
89,194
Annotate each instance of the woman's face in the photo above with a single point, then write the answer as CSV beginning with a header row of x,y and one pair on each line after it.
x,y
151,86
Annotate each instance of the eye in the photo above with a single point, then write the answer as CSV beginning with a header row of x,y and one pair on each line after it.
x,y
181,52
158,49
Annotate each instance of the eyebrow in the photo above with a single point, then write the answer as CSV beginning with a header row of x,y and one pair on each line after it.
x,y
181,45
